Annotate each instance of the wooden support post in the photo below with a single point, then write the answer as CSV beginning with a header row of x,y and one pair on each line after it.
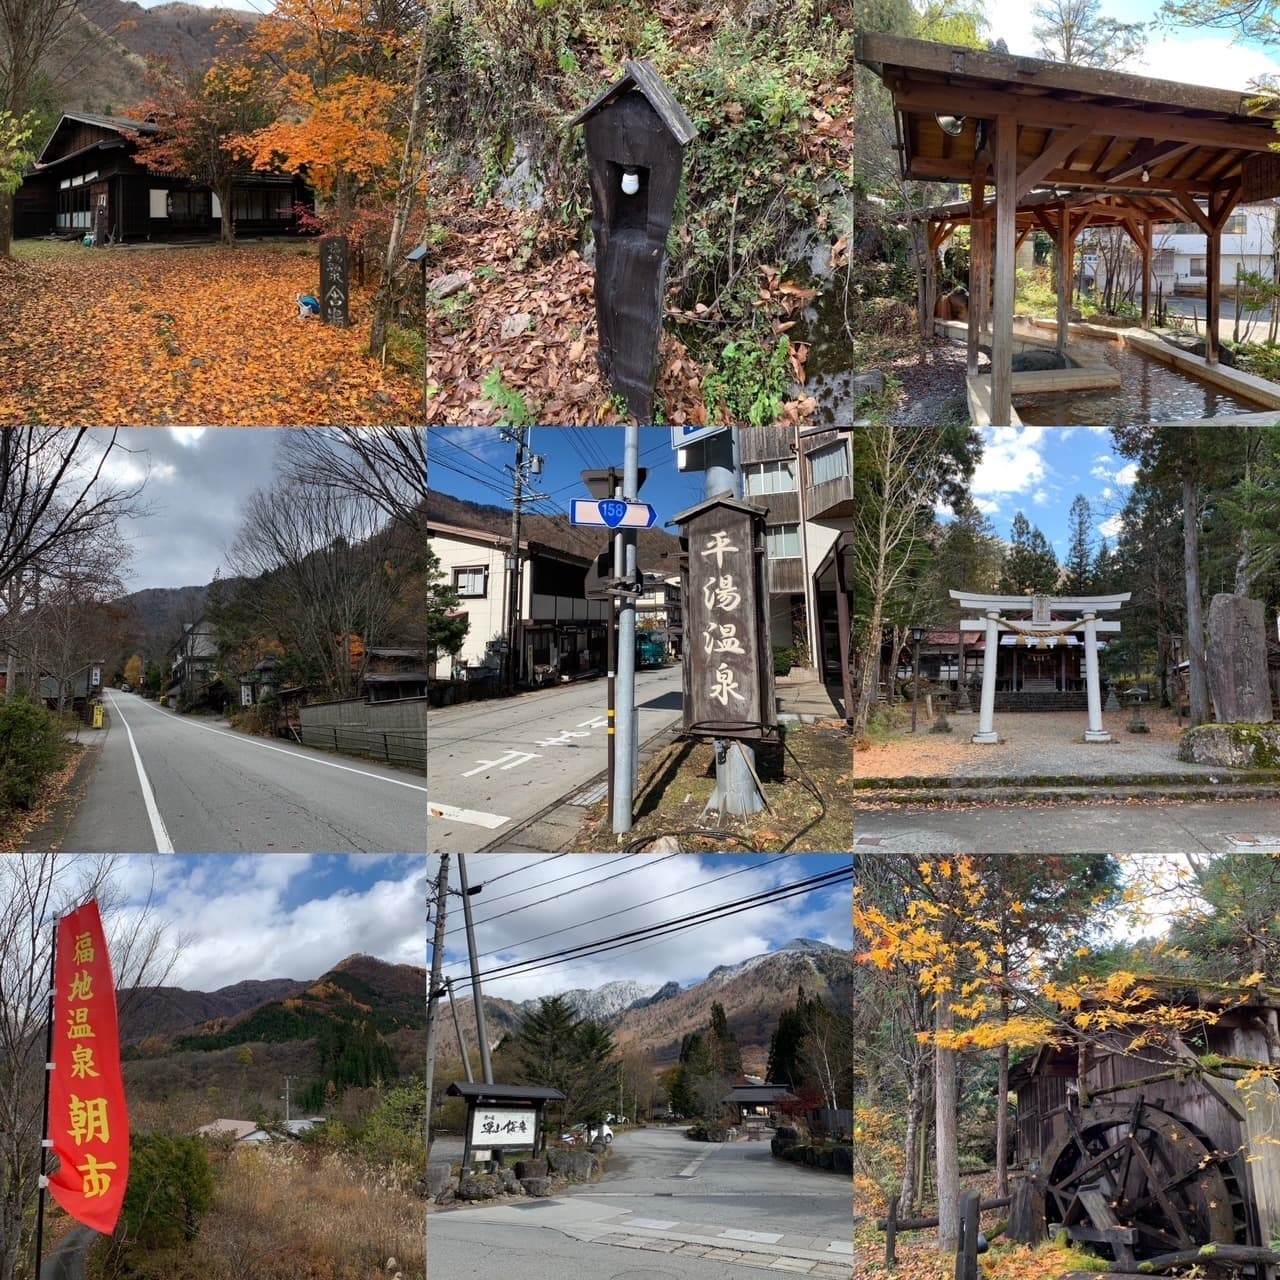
x,y
1146,273
928,299
967,1253
1004,289
976,271
1212,294
1062,256
891,1234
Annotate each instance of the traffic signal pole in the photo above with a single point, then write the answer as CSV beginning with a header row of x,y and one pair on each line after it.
x,y
626,737
736,791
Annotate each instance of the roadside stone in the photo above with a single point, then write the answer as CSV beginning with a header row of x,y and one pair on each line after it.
x,y
514,325
531,1169
446,286
484,1186
447,1196
539,1188
573,1164
438,1177
1238,746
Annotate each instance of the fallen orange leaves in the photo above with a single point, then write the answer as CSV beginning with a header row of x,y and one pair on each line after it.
x,y
187,336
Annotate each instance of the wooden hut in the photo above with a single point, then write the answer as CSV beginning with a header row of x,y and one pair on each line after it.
x,y
1145,1151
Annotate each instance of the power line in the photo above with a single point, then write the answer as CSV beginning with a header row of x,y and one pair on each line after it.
x,y
798,888
569,876
581,924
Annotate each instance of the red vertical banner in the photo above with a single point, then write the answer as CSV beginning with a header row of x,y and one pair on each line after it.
x,y
88,1122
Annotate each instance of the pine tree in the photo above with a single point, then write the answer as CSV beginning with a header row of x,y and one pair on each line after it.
x,y
1078,566
726,1053
1030,566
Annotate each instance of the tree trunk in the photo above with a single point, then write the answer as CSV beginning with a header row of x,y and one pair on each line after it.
x,y
1002,1111
910,1141
1198,682
946,1141
405,191
6,224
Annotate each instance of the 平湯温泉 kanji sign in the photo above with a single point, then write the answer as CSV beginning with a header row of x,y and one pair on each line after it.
x,y
88,1120
728,666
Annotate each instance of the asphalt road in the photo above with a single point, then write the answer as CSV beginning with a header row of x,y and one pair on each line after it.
x,y
1217,826
171,783
666,1207
491,765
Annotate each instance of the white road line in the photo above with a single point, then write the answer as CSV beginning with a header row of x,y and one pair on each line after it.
x,y
473,817
691,1169
297,755
161,836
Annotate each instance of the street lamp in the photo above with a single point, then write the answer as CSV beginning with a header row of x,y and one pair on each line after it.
x,y
917,634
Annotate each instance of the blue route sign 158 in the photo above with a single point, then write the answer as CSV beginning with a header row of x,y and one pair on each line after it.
x,y
612,513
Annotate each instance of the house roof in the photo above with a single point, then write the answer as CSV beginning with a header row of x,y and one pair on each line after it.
x,y
759,1093
643,75
236,1128
116,124
504,1092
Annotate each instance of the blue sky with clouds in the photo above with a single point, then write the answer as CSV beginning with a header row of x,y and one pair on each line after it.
x,y
603,895
469,462
1040,470
276,915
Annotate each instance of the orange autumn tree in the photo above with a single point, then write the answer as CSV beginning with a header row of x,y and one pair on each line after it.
x,y
340,91
969,931
197,120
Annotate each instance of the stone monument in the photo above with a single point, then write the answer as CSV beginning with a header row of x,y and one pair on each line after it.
x,y
1237,661
335,280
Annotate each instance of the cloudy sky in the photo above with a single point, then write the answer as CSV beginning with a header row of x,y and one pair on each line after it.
x,y
469,462
195,481
1195,55
278,915
1040,470
520,914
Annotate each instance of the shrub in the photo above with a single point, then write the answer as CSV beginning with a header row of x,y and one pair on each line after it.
x,y
783,659
31,747
170,1190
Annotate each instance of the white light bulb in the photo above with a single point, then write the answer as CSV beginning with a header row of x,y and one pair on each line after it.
x,y
630,182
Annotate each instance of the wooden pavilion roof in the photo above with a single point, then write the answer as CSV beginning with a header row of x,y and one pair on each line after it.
x,y
1076,127
1041,208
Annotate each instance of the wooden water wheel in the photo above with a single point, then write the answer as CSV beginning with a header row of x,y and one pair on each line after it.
x,y
1136,1181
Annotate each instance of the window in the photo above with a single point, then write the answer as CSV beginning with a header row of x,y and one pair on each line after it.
x,y
1197,266
472,582
771,477
1235,225
831,462
782,542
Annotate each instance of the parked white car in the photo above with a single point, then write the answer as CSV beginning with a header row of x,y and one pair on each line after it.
x,y
580,1135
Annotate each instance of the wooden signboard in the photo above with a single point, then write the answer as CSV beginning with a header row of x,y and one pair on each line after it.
x,y
335,280
728,657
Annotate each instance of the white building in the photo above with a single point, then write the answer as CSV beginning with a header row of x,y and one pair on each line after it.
x,y
1249,242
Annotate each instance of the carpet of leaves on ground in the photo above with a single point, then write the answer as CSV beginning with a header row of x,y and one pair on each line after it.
x,y
172,336
521,265
796,819
16,827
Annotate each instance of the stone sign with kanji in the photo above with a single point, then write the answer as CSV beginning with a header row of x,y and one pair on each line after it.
x,y
335,280
728,665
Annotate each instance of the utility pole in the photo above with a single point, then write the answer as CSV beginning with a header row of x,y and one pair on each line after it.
x,y
526,464
627,744
457,1028
521,438
288,1080
736,791
434,987
485,1065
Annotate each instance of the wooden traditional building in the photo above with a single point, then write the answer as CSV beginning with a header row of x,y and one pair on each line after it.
x,y
1145,1151
88,177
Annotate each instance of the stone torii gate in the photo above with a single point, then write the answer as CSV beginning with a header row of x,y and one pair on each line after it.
x,y
1044,630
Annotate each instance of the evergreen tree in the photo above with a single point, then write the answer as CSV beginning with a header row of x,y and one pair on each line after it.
x,y
784,1046
1102,573
1030,566
726,1053
1078,566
